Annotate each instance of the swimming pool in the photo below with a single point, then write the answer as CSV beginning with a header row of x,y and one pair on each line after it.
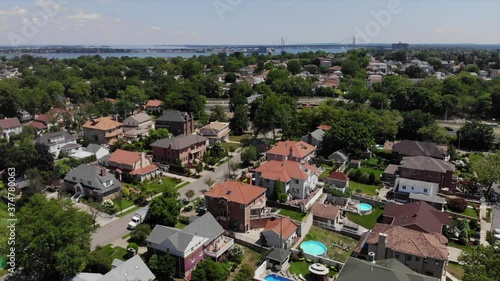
x,y
313,247
363,207
274,277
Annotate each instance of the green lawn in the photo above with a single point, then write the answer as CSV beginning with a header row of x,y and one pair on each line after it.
x,y
370,170
454,244
367,221
180,225
121,214
241,138
488,215
325,174
302,267
468,212
365,189
292,214
182,185
166,184
4,231
456,270
227,146
328,238
124,204
114,252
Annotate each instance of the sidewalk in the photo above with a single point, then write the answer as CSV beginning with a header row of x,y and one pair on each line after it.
x,y
485,226
453,253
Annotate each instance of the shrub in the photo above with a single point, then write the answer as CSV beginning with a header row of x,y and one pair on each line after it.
x,y
309,260
474,225
133,246
371,178
236,255
457,205
140,233
283,197
245,274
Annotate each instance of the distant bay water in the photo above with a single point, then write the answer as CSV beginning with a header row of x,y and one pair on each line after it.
x,y
160,52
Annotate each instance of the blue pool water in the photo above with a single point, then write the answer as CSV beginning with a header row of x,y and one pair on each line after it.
x,y
314,248
363,207
274,277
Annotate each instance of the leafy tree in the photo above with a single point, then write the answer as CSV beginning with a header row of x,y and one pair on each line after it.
x,y
43,251
350,68
162,265
476,135
236,254
239,122
273,113
249,154
218,114
140,233
351,136
487,169
189,194
230,78
155,135
164,210
130,99
98,261
209,270
277,190
480,263
433,133
294,66
209,182
457,205
412,122
379,101
245,274
10,99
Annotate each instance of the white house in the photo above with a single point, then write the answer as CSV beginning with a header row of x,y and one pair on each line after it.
x,y
59,142
9,127
403,185
280,233
299,180
92,149
216,132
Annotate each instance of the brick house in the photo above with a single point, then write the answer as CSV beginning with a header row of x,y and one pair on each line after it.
x,y
428,169
329,214
418,216
338,180
422,252
134,165
416,148
103,130
234,204
280,233
297,151
177,122
185,148
299,180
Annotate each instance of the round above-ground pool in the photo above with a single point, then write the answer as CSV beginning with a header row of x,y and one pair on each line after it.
x,y
313,248
364,208
274,277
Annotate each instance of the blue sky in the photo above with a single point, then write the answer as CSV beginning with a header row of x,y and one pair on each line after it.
x,y
146,22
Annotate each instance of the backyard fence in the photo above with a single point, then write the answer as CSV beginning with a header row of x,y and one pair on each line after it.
x,y
368,200
318,259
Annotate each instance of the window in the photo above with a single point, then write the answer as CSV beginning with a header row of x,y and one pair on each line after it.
x,y
436,263
396,255
74,178
404,186
192,260
425,190
412,188
89,182
425,260
408,257
297,181
417,259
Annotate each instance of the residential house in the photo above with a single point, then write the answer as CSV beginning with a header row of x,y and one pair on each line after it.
x,y
177,122
59,142
131,269
24,116
137,126
299,180
216,132
132,165
418,216
416,148
42,122
314,138
234,204
103,130
278,258
280,233
92,149
326,213
92,181
186,148
9,127
381,270
200,239
338,158
404,187
422,252
424,168
246,71
338,180
325,63
372,79
64,103
300,151
153,107
436,202
390,173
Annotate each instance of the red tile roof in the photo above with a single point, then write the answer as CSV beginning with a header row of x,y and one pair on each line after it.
x,y
125,157
338,176
145,170
300,149
416,215
38,125
285,170
404,240
9,123
283,226
235,191
43,118
153,103
329,212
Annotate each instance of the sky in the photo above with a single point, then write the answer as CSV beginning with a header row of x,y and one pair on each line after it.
x,y
239,22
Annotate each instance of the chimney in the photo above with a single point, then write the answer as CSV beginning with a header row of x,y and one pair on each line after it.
x,y
291,154
381,246
103,172
371,257
143,160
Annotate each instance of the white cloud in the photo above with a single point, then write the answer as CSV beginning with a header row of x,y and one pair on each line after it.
x,y
44,2
194,34
81,16
154,28
16,11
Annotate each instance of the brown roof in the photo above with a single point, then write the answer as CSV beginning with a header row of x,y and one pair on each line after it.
x,y
324,127
38,125
285,170
125,157
417,214
153,103
300,148
145,170
217,126
235,191
417,148
426,163
338,176
404,240
8,123
283,226
329,212
43,118
391,169
103,124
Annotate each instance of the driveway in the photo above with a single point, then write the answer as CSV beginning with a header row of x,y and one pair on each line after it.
x,y
219,175
454,253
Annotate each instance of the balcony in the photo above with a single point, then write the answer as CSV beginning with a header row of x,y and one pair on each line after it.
x,y
219,246
258,205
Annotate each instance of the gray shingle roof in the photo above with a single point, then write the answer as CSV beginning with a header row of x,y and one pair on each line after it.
x,y
174,116
139,117
427,163
92,148
48,138
279,254
206,226
179,142
338,155
85,173
382,270
416,148
132,269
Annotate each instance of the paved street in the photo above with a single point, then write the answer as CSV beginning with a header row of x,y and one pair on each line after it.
x,y
112,231
218,175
